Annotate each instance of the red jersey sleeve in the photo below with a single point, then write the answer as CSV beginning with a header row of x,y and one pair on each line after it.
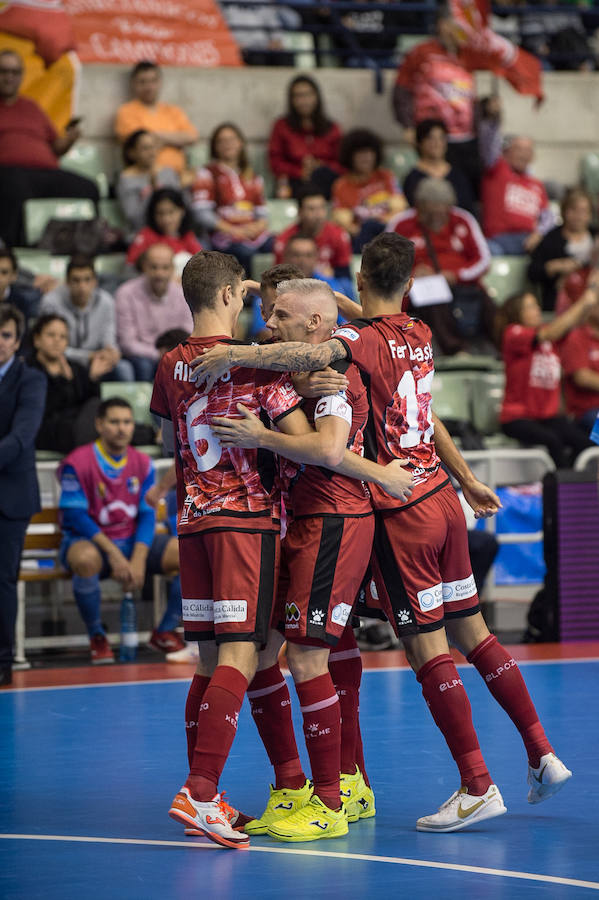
x,y
518,341
202,190
191,243
573,352
277,395
359,342
159,404
277,152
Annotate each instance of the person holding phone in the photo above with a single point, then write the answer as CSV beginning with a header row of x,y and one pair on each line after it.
x,y
29,152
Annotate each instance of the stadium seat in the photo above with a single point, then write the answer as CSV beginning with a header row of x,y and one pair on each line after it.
x,y
112,213
400,161
39,212
281,214
506,276
197,155
301,44
137,393
487,395
110,264
41,262
86,160
258,159
452,395
261,262
354,266
589,172
468,363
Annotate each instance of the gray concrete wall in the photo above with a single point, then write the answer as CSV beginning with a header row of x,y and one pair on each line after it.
x,y
566,126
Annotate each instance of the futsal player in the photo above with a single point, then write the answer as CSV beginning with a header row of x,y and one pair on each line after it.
x,y
421,558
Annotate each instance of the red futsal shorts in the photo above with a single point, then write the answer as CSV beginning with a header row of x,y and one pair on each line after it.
x,y
228,584
324,559
421,564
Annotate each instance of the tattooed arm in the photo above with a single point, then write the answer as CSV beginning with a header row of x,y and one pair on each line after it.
x,y
292,356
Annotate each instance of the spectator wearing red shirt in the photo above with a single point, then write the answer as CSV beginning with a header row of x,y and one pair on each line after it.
x,y
367,196
228,198
448,241
580,361
516,210
168,222
304,144
29,147
530,412
334,247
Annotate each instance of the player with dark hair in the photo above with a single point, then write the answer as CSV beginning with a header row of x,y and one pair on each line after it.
x,y
421,552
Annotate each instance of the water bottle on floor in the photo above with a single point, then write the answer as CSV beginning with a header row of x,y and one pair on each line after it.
x,y
129,637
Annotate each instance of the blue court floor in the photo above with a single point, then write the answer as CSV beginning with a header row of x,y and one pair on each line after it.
x,y
87,775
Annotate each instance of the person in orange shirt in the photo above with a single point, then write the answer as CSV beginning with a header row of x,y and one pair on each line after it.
x,y
367,197
169,124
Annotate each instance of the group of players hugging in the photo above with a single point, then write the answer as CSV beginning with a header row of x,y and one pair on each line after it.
x,y
337,422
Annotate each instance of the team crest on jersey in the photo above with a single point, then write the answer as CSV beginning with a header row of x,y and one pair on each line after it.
x,y
101,489
133,484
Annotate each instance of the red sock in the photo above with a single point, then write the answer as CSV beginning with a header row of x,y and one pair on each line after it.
x,y
504,680
217,726
345,666
271,708
448,702
322,729
197,689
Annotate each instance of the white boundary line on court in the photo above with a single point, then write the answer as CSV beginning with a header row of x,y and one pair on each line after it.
x,y
98,684
359,857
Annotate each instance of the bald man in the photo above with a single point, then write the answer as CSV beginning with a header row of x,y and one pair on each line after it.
x,y
148,306
325,555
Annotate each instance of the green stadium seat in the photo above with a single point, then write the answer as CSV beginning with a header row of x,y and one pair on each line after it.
x,y
301,43
468,363
110,264
41,262
589,171
507,275
281,214
355,264
112,213
258,159
452,395
39,212
86,160
197,155
261,262
48,456
487,396
137,393
400,160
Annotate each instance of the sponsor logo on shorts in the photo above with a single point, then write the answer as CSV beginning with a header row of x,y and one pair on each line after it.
x,y
459,590
404,617
292,615
341,613
230,611
317,617
348,333
430,598
197,610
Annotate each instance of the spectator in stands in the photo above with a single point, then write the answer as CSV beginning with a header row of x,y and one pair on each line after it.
x,y
531,406
168,221
365,38
170,126
259,31
146,307
72,398
109,528
368,195
141,177
558,38
431,144
29,151
304,144
228,198
22,396
90,314
302,253
579,354
516,210
25,297
448,241
334,247
565,249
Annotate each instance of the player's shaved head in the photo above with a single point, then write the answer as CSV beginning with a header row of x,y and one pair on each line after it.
x,y
310,296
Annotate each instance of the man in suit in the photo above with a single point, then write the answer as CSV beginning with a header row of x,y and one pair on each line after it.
x,y
22,401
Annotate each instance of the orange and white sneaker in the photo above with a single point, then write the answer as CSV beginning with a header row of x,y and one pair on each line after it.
x,y
237,819
209,819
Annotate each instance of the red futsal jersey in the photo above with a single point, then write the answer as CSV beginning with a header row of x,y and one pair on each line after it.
x,y
334,246
288,147
395,357
532,376
512,201
580,350
220,488
367,197
147,237
236,198
318,491
459,246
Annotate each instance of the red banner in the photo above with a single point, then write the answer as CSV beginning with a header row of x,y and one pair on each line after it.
x,y
168,32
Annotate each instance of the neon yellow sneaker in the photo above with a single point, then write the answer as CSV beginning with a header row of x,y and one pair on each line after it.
x,y
281,803
310,823
357,797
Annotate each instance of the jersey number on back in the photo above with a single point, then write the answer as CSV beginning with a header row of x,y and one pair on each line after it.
x,y
204,445
407,388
